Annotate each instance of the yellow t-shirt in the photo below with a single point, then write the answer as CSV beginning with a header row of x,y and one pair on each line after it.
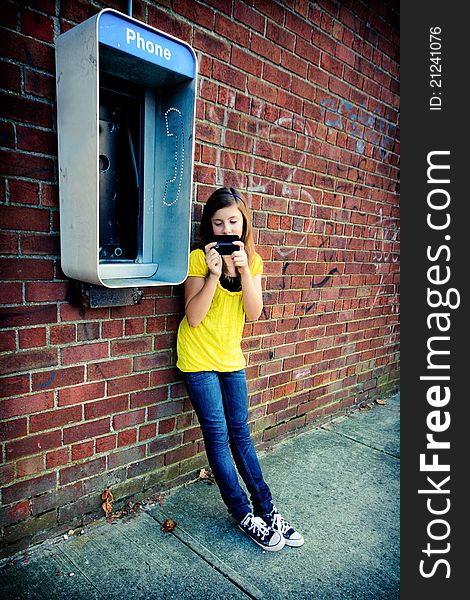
x,y
215,344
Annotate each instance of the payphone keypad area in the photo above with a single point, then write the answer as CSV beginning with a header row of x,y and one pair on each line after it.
x,y
140,92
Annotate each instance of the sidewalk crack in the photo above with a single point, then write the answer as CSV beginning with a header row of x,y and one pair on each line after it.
x,y
353,439
250,590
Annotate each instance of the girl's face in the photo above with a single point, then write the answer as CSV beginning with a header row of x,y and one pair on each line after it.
x,y
227,221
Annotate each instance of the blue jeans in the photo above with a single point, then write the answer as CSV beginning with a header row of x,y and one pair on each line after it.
x,y
221,404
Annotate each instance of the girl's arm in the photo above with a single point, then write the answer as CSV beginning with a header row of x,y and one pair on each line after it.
x,y
199,292
198,296
252,295
251,285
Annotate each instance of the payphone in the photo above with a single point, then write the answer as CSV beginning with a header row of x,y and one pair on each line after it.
x,y
125,112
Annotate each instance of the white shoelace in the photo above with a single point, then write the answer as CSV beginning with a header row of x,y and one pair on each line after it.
x,y
258,526
280,524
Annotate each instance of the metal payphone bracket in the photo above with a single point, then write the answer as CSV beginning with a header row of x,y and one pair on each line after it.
x,y
86,295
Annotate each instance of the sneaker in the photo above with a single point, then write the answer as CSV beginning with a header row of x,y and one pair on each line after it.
x,y
277,522
261,534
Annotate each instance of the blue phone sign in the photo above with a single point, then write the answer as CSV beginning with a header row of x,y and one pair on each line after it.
x,y
145,43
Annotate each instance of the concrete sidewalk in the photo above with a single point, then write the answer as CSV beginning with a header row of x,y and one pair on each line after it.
x,y
339,485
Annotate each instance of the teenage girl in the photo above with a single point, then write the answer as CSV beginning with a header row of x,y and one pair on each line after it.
x,y
220,292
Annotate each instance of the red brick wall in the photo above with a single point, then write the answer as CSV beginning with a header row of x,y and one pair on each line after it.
x,y
298,105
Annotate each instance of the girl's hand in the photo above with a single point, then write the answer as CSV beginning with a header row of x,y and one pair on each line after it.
x,y
240,258
213,260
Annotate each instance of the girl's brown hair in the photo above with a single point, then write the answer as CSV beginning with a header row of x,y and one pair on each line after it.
x,y
222,198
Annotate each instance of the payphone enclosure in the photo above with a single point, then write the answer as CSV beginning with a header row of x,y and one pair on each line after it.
x,y
125,112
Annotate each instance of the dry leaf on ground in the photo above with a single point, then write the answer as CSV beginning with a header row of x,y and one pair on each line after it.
x,y
169,525
107,505
204,475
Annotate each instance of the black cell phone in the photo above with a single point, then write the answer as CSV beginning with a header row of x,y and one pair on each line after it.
x,y
225,245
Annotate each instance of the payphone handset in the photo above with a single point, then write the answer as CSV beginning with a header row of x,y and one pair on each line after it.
x,y
175,131
126,106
